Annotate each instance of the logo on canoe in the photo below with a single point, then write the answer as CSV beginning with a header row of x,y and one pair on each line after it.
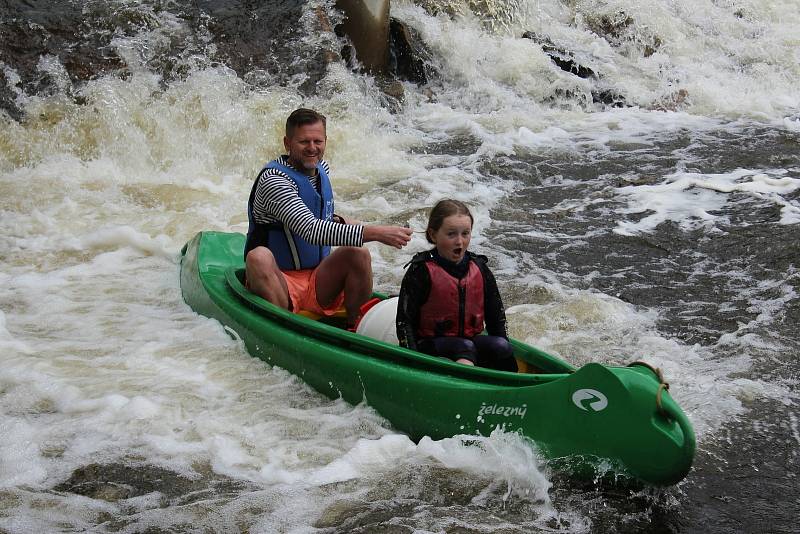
x,y
505,411
589,399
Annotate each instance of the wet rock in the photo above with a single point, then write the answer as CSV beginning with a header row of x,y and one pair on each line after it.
x,y
608,98
37,35
672,102
563,58
408,60
268,36
113,482
393,90
116,482
52,47
566,61
619,28
8,97
409,57
607,25
340,512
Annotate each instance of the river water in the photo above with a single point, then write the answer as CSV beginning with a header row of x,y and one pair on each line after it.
x,y
663,226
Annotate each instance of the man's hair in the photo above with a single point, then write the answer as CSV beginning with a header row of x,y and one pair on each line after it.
x,y
301,117
443,209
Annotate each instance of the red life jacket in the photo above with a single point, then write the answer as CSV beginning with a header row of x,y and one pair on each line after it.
x,y
454,307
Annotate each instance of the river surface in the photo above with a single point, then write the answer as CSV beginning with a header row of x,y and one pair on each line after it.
x,y
650,211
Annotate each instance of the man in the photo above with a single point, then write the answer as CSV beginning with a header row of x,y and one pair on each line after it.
x,y
292,228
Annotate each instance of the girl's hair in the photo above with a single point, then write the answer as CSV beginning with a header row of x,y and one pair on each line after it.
x,y
443,209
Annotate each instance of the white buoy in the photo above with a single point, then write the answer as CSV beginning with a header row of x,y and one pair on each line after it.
x,y
379,322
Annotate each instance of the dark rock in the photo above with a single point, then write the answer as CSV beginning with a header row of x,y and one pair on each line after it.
x,y
566,62
393,92
249,36
560,57
671,102
8,97
610,98
619,28
393,89
409,58
32,30
115,482
256,35
610,26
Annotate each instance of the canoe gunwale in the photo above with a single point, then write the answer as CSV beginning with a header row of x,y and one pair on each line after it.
x,y
375,349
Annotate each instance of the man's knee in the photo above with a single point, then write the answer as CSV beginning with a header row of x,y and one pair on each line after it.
x,y
358,258
262,259
263,275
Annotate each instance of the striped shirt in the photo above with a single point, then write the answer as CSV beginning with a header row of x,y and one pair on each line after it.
x,y
277,200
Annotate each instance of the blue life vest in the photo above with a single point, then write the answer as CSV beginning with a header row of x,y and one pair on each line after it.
x,y
291,251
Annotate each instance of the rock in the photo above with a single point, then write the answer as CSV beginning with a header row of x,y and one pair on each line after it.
x,y
560,57
409,58
671,102
608,97
113,482
39,37
565,60
117,481
619,29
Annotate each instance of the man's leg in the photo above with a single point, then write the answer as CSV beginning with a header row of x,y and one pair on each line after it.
x,y
348,269
265,279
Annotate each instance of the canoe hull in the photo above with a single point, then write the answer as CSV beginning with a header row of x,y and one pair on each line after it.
x,y
622,415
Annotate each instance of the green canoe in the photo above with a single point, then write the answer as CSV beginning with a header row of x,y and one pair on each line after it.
x,y
595,419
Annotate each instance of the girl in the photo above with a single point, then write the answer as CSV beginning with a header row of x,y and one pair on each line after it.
x,y
448,293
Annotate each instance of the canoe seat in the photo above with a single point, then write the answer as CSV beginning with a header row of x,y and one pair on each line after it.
x,y
527,368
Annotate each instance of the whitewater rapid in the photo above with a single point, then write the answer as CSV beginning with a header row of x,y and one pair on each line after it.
x,y
600,224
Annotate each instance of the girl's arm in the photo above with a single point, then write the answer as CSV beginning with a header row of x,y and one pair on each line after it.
x,y
493,304
414,291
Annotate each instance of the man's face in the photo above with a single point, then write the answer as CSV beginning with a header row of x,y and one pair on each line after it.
x,y
306,146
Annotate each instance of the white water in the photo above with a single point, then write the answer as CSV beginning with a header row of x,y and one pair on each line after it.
x,y
102,362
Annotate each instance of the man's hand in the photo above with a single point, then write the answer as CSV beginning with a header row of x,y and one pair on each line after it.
x,y
394,236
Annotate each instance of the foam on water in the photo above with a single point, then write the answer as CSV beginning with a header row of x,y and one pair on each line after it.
x,y
690,199
584,327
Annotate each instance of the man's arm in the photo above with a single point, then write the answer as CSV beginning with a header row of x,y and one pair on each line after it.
x,y
394,236
277,199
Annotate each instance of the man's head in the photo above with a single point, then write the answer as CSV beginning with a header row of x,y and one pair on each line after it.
x,y
305,139
302,117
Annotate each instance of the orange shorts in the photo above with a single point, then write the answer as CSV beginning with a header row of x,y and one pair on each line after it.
x,y
303,292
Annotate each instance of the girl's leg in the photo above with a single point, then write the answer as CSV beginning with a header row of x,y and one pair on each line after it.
x,y
495,352
455,348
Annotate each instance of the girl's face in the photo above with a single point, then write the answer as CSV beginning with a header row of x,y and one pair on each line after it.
x,y
452,238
